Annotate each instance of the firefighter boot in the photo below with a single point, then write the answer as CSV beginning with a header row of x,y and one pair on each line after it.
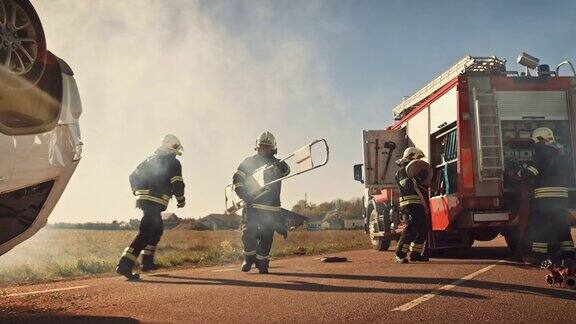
x,y
262,266
248,263
534,259
125,267
418,257
401,260
148,263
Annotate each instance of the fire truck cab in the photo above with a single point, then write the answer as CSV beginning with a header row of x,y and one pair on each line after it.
x,y
474,123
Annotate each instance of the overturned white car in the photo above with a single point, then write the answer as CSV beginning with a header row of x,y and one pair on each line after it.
x,y
40,142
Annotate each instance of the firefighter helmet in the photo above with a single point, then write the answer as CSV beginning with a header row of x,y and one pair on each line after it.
x,y
171,143
543,134
413,153
266,138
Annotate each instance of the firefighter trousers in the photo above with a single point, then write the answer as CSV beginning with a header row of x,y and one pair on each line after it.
x,y
548,231
413,238
149,233
258,233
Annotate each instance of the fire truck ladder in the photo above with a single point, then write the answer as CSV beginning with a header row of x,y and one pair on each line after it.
x,y
488,136
472,64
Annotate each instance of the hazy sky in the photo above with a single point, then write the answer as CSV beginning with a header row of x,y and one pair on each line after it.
x,y
217,73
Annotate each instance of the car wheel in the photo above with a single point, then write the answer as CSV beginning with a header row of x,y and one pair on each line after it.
x,y
22,45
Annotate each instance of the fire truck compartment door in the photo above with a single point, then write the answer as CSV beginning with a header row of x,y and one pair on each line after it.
x,y
381,149
527,105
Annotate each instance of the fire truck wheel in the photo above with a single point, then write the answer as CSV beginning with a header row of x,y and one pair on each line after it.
x,y
485,234
511,237
468,244
382,245
378,242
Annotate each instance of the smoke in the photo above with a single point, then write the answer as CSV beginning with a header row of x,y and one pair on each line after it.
x,y
216,74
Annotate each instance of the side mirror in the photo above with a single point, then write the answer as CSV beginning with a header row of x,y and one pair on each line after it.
x,y
358,173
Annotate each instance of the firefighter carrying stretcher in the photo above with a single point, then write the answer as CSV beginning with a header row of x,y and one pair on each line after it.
x,y
154,182
261,216
413,206
548,230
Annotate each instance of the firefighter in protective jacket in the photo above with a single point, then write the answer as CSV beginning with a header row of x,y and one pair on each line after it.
x,y
548,229
261,216
413,196
154,182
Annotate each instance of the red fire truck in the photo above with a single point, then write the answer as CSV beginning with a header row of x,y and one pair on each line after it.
x,y
474,123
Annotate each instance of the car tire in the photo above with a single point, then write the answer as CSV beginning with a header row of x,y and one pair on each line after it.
x,y
23,50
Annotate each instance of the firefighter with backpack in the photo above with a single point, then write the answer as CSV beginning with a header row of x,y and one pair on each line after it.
x,y
154,182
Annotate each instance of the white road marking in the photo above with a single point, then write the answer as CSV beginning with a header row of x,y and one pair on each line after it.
x,y
227,269
440,290
45,291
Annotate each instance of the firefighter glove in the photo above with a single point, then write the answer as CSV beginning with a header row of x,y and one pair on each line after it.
x,y
181,202
282,230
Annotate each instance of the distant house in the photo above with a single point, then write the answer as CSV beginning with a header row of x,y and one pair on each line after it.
x,y
353,223
170,220
314,224
333,220
222,222
192,224
292,219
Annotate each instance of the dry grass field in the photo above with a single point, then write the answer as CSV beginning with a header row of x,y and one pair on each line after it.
x,y
59,253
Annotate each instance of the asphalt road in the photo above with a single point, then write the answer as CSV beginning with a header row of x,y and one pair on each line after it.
x,y
476,286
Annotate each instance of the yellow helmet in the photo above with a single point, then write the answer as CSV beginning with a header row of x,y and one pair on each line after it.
x,y
266,138
413,153
171,144
543,134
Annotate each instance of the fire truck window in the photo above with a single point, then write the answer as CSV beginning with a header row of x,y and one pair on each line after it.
x,y
33,110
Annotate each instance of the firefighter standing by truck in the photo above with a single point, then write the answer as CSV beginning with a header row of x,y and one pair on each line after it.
x,y
154,182
261,216
548,230
413,205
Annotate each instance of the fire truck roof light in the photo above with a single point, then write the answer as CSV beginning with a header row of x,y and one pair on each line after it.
x,y
528,61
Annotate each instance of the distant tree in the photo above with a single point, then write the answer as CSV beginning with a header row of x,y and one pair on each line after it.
x,y
346,209
134,223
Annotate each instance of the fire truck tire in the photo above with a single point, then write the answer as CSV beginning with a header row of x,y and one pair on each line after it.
x,y
383,245
511,237
485,234
468,244
379,243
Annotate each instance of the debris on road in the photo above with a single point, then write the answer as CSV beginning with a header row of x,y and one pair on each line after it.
x,y
333,259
